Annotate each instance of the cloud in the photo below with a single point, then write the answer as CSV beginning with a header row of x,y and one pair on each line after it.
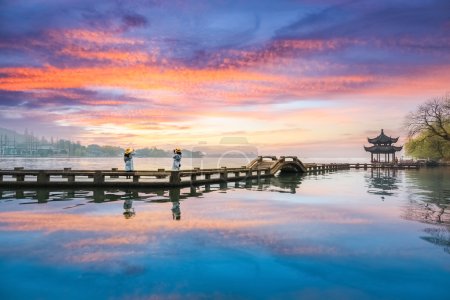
x,y
178,62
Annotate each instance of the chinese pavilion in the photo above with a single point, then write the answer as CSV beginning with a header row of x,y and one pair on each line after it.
x,y
382,144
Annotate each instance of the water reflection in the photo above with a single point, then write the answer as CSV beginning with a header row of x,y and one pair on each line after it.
x,y
281,184
128,208
429,203
174,195
282,234
439,237
429,197
383,182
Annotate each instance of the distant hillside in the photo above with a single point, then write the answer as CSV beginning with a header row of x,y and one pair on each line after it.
x,y
16,144
10,134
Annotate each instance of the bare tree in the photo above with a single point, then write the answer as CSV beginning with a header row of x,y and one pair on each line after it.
x,y
431,118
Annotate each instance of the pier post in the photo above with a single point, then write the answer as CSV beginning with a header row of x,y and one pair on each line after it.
x,y
160,176
175,177
136,178
193,177
70,178
43,177
19,177
66,170
248,183
98,177
114,170
224,174
99,195
42,196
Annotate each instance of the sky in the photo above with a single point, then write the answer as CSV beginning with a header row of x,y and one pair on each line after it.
x,y
313,78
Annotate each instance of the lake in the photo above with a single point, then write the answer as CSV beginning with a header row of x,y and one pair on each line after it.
x,y
351,234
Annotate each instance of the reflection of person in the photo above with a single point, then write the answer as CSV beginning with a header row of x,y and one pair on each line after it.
x,y
128,159
128,207
174,195
176,211
176,159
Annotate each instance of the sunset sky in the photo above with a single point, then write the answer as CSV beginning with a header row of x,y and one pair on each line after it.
x,y
309,78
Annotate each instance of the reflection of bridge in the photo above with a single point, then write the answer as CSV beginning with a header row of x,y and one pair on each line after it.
x,y
281,184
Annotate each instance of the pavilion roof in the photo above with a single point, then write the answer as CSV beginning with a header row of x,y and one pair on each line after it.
x,y
383,149
382,139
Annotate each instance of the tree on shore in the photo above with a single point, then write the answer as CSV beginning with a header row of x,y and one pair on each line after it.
x,y
429,129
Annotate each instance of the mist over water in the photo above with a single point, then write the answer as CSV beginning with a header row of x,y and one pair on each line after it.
x,y
350,234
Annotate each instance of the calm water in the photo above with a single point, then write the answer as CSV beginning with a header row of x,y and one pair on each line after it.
x,y
342,235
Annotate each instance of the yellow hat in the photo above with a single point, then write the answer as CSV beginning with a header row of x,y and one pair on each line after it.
x,y
129,150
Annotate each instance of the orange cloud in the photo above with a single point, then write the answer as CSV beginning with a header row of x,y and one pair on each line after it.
x,y
114,56
93,37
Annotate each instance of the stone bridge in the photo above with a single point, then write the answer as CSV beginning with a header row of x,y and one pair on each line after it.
x,y
284,164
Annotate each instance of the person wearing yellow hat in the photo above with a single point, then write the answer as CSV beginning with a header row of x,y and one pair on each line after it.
x,y
176,159
128,159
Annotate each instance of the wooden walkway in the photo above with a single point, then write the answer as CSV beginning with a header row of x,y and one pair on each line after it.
x,y
262,166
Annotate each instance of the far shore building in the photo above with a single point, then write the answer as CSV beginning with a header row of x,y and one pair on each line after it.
x,y
382,144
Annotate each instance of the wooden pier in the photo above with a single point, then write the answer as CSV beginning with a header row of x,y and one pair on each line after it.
x,y
262,166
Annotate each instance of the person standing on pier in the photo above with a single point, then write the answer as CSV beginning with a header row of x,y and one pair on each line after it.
x,y
176,159
128,159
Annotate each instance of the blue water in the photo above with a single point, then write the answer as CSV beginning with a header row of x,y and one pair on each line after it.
x,y
340,235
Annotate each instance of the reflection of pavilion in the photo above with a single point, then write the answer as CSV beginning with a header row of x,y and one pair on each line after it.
x,y
382,182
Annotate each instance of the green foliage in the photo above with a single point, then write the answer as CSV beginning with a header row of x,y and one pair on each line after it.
x,y
428,147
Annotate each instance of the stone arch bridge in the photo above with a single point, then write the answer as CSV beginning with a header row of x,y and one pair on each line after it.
x,y
286,164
